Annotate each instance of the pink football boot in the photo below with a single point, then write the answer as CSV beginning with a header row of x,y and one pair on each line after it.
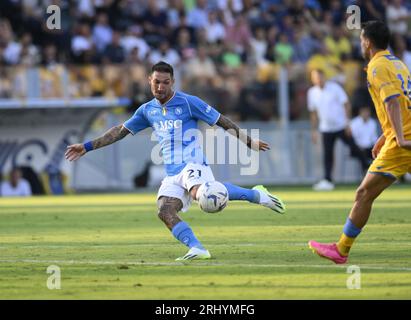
x,y
328,251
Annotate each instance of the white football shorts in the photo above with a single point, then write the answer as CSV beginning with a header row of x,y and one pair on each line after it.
x,y
178,186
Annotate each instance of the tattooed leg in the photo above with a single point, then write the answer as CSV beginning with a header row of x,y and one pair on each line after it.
x,y
167,210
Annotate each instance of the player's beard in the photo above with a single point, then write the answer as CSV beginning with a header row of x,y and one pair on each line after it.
x,y
364,54
164,96
160,96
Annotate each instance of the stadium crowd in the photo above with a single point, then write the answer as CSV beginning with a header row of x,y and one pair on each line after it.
x,y
228,50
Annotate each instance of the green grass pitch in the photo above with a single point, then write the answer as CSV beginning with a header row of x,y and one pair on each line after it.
x,y
114,247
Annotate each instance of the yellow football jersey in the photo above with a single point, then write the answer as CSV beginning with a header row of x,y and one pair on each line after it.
x,y
389,77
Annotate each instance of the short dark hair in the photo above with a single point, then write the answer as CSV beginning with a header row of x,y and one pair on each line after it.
x,y
163,67
378,33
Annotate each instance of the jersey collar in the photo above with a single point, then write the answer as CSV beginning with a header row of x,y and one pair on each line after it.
x,y
380,54
376,56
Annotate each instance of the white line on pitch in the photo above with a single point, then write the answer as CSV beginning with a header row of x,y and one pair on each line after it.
x,y
197,263
246,244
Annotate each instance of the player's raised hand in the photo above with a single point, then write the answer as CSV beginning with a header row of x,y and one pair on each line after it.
x,y
74,152
259,145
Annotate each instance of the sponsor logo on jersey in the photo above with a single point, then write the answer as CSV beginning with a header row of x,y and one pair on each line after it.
x,y
167,125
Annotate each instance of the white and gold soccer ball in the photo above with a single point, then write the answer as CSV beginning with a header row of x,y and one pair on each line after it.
x,y
212,196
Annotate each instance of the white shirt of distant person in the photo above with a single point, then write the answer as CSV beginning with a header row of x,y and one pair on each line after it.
x,y
15,186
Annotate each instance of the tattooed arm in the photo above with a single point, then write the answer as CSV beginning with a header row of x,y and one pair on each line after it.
x,y
228,125
75,151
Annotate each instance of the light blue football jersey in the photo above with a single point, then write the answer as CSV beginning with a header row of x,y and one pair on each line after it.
x,y
175,125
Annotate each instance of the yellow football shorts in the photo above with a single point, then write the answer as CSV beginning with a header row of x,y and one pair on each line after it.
x,y
391,166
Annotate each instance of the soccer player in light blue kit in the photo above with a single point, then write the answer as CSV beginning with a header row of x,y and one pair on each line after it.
x,y
169,113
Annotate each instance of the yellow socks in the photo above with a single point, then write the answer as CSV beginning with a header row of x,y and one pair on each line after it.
x,y
350,232
345,244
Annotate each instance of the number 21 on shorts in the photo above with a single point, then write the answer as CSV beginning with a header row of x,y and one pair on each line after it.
x,y
194,174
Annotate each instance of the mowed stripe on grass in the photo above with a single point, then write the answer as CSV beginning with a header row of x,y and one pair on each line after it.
x,y
114,247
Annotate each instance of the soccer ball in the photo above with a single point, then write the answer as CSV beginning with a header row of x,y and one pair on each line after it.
x,y
212,196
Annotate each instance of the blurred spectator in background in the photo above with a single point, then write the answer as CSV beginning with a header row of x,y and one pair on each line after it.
x,y
155,23
197,17
283,50
365,131
304,45
399,47
287,26
323,60
16,186
134,57
238,36
372,9
185,46
201,37
200,68
234,6
49,56
50,73
330,112
272,36
29,54
183,25
133,39
85,9
337,44
337,9
258,47
82,44
326,25
398,17
102,32
11,48
165,53
215,29
175,9
114,52
230,57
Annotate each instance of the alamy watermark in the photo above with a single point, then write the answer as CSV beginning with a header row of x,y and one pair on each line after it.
x,y
222,147
54,280
354,280
354,17
54,20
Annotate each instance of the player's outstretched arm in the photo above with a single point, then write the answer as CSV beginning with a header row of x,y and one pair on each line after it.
x,y
394,114
75,151
228,125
